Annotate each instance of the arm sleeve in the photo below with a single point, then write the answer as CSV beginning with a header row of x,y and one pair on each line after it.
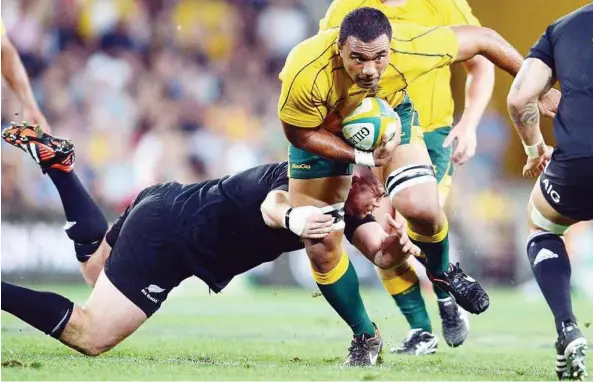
x,y
544,50
353,222
299,104
280,178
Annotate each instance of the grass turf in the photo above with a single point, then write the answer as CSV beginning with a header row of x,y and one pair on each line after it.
x,y
276,334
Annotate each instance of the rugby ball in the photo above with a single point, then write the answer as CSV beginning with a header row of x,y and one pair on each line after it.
x,y
365,126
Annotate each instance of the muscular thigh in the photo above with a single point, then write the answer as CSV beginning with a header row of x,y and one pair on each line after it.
x,y
322,192
107,318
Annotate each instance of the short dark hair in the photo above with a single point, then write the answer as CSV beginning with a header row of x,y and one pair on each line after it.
x,y
366,24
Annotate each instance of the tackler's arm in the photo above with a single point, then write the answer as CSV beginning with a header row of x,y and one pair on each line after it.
x,y
307,221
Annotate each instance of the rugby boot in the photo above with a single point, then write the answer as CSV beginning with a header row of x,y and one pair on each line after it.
x,y
48,151
465,290
365,350
418,342
571,348
455,322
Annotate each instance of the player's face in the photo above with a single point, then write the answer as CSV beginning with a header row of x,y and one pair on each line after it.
x,y
364,198
365,62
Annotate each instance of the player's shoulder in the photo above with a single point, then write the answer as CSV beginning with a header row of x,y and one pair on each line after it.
x,y
450,12
310,56
409,33
580,17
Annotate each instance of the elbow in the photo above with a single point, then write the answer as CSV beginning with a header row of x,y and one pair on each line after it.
x,y
515,101
486,40
265,213
297,137
298,140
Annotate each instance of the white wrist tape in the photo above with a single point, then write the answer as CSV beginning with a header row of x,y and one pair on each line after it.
x,y
364,158
297,218
535,151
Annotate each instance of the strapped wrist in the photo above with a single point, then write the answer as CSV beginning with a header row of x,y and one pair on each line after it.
x,y
287,218
364,158
536,150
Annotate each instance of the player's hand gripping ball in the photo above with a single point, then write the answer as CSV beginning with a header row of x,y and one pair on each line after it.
x,y
366,125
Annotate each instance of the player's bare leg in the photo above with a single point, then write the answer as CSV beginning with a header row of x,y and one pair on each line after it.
x,y
104,321
403,285
412,188
332,269
91,269
551,266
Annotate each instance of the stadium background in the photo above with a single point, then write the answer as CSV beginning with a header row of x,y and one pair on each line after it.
x,y
159,90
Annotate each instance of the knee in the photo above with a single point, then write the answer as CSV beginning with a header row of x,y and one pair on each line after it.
x,y
85,336
324,255
324,262
91,350
88,230
425,215
93,345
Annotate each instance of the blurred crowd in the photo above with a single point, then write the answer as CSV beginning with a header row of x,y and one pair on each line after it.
x,y
151,90
159,90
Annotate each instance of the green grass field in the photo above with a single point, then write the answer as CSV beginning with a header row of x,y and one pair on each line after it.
x,y
277,334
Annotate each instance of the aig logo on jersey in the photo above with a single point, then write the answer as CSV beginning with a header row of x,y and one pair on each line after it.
x,y
550,190
154,289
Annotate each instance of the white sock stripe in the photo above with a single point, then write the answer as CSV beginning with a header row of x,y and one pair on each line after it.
x,y
410,183
537,234
61,321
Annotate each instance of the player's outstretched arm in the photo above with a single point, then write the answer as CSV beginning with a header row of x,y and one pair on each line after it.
x,y
382,249
474,40
307,221
15,75
534,79
322,142
478,91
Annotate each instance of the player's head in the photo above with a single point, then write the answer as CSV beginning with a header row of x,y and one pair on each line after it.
x,y
365,34
365,193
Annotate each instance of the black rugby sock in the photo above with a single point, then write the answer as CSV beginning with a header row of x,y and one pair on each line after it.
x,y
551,267
86,224
46,311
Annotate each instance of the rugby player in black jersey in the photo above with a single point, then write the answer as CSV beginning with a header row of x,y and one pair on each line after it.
x,y
563,193
214,230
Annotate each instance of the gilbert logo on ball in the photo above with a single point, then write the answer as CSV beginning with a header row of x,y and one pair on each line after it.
x,y
364,127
